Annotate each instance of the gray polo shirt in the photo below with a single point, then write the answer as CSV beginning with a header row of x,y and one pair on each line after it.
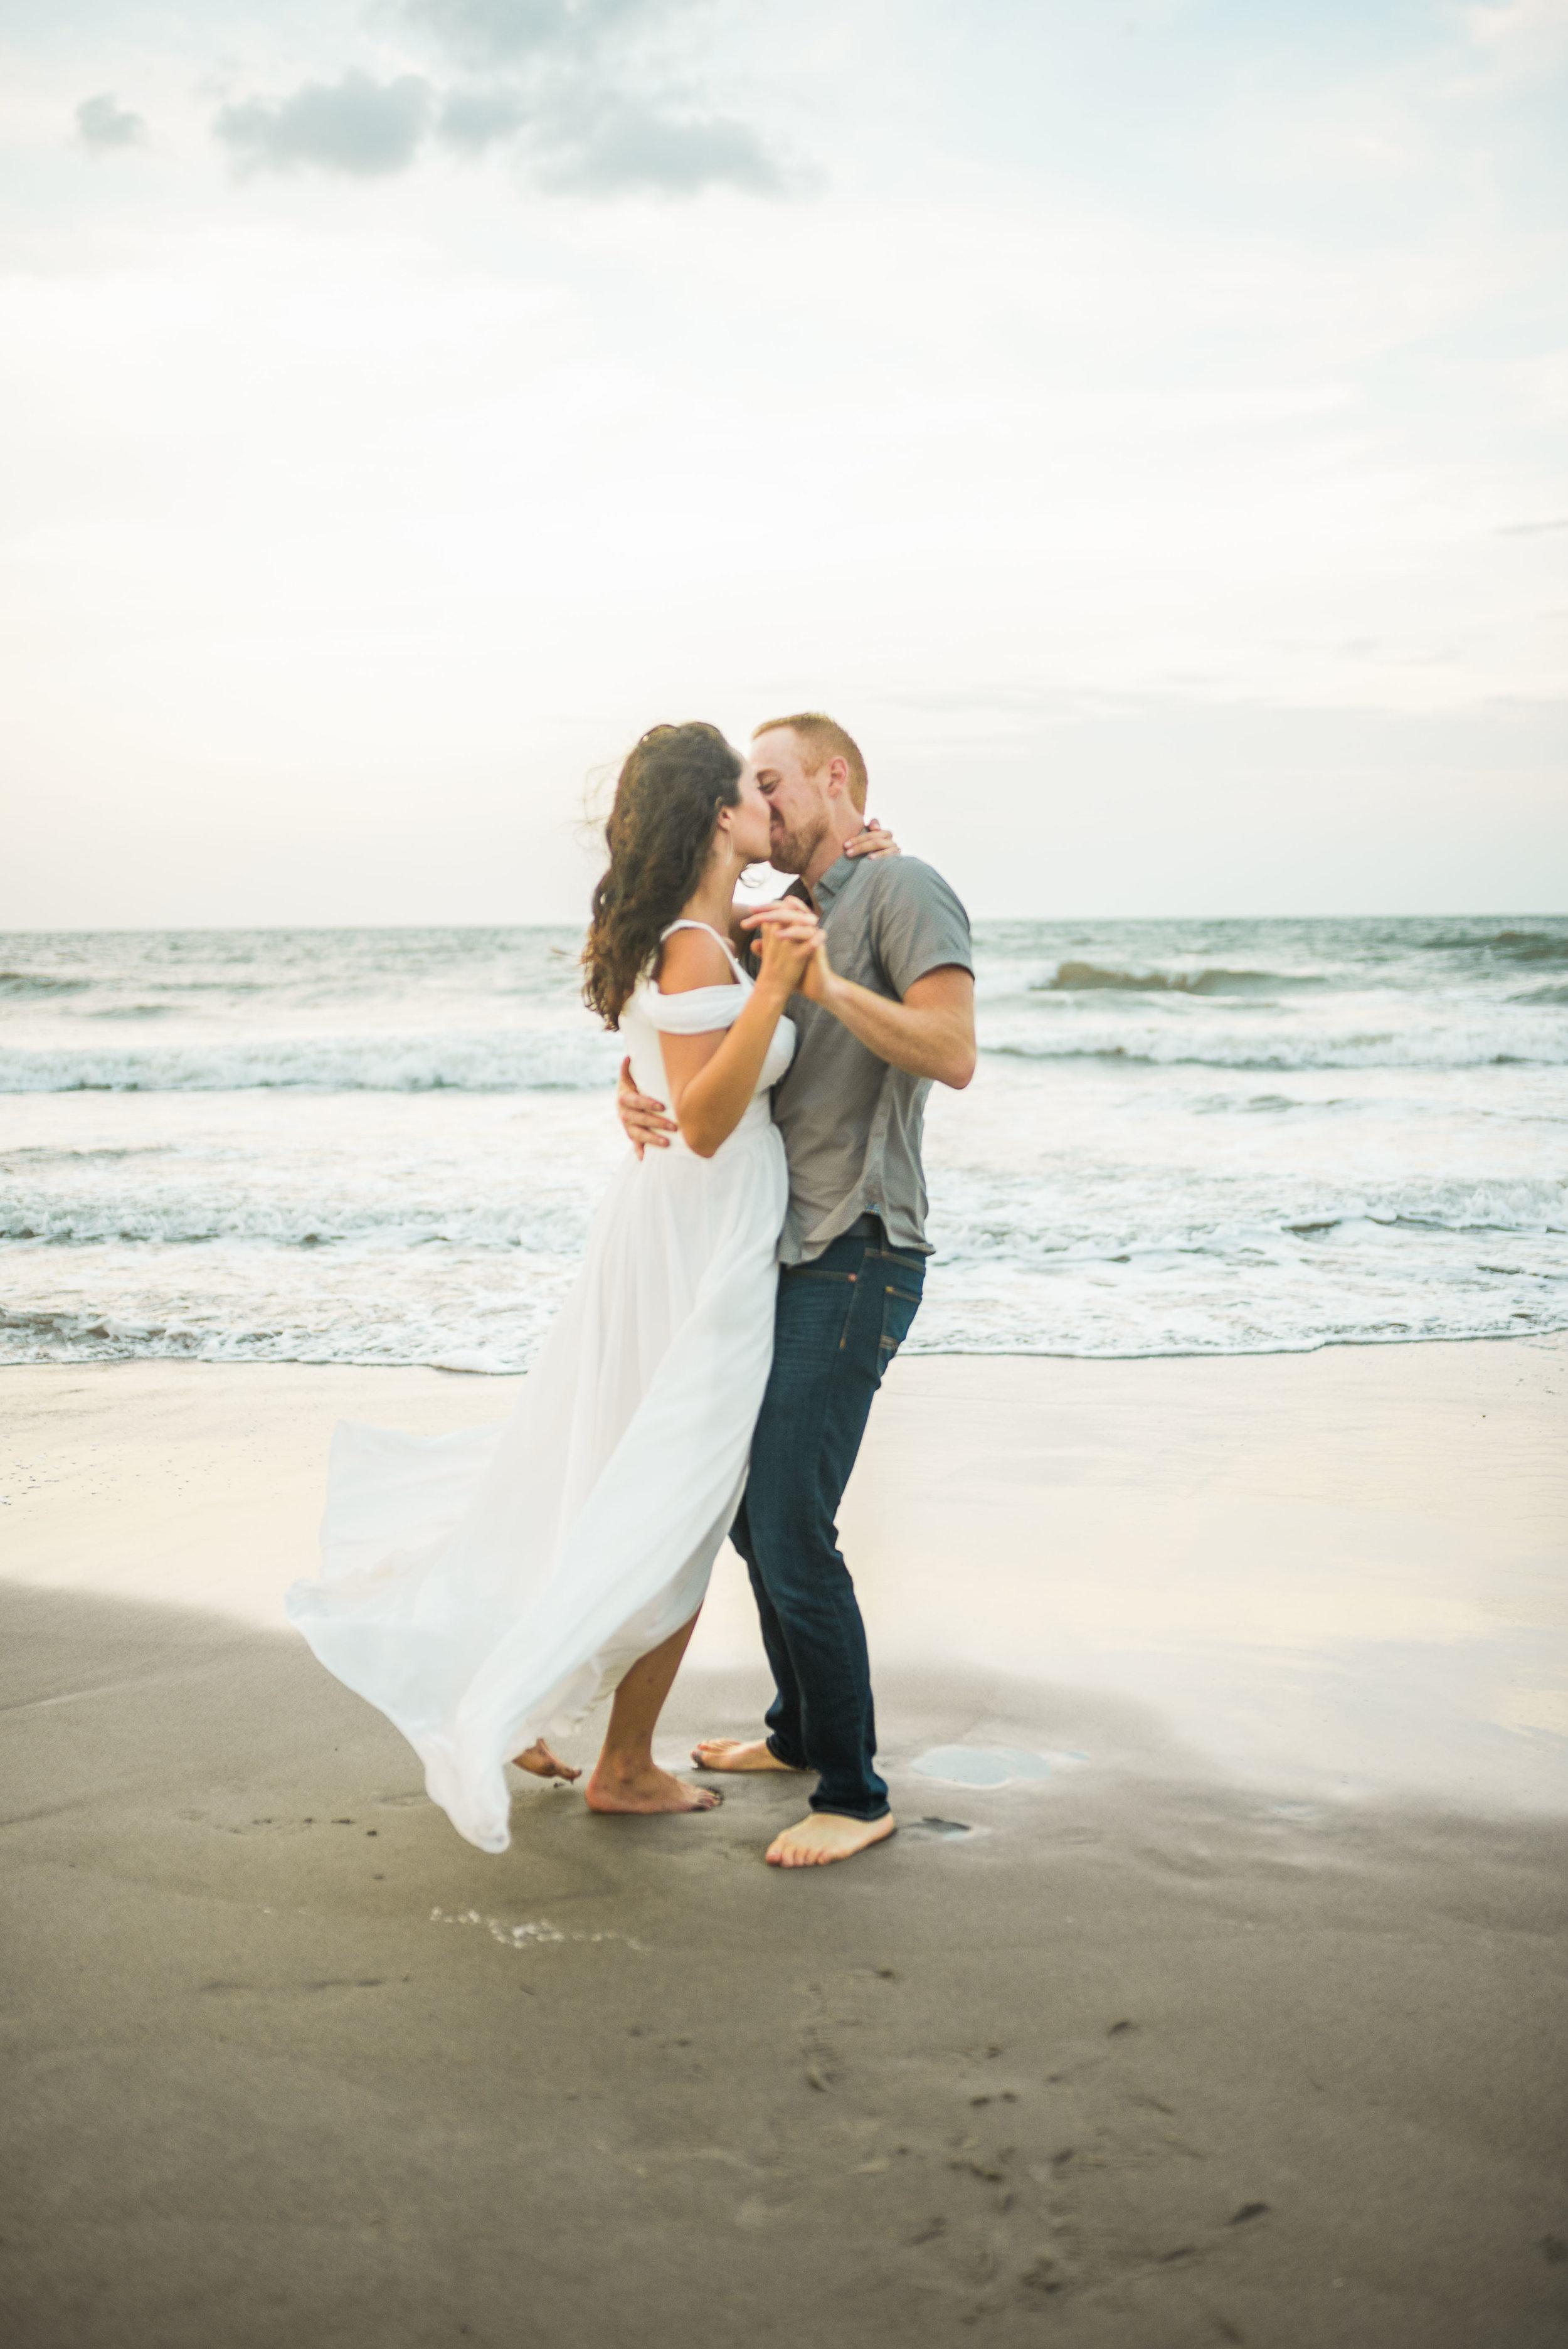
x,y
851,1124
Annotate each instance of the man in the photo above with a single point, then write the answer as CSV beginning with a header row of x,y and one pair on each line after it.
x,y
888,1008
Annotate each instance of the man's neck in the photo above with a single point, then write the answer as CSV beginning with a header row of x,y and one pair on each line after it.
x,y
831,845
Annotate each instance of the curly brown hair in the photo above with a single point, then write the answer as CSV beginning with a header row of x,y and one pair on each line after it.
x,y
667,799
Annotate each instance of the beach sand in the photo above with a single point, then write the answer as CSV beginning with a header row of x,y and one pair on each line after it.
x,y
1245,2023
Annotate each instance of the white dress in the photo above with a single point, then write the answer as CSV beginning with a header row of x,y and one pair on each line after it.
x,y
486,1589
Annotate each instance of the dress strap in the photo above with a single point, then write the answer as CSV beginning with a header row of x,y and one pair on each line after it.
x,y
712,933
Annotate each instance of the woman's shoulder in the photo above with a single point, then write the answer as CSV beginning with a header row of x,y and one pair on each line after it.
x,y
692,959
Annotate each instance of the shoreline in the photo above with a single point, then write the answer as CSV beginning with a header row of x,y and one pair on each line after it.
x,y
911,1352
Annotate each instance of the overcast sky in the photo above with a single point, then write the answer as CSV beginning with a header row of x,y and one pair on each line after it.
x,y
1145,426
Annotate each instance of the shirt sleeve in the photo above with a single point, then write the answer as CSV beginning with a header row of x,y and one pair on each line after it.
x,y
918,924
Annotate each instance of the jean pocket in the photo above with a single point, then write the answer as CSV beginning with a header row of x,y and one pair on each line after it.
x,y
814,1309
900,1307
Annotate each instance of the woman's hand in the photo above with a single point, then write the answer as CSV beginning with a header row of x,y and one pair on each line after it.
x,y
648,1123
790,945
873,841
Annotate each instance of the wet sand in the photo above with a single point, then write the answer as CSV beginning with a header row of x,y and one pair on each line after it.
x,y
1245,2024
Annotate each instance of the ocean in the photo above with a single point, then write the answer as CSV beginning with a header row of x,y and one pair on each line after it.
x,y
1183,1137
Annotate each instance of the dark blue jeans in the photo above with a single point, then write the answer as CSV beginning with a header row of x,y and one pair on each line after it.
x,y
840,1321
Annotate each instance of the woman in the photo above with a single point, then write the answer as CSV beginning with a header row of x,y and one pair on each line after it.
x,y
484,1590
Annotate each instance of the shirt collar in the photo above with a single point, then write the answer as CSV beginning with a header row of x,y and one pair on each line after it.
x,y
833,881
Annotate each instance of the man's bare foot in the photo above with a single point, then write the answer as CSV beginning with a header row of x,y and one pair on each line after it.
x,y
827,1835
543,1762
644,1790
738,1753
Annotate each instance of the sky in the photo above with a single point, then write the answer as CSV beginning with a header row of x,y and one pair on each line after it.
x,y
1145,426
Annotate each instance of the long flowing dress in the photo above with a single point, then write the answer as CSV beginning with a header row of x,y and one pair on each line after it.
x,y
486,1589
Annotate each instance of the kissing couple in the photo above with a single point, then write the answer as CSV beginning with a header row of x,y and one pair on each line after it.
x,y
753,1269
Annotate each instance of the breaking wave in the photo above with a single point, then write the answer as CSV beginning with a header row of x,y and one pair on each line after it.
x,y
1516,946
499,1062
29,982
1178,1050
1085,978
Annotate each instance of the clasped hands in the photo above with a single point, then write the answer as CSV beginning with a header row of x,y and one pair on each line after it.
x,y
791,952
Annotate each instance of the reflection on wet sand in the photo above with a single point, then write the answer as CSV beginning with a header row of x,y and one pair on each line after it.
x,y
1330,1574
1341,1573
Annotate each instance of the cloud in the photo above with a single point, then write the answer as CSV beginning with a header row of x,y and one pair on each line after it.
x,y
104,126
582,89
621,148
504,32
366,129
572,133
593,97
473,119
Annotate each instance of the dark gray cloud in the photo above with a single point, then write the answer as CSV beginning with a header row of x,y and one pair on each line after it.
x,y
103,125
364,129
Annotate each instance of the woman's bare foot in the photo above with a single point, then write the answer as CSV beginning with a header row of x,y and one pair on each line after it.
x,y
738,1753
827,1835
543,1762
644,1788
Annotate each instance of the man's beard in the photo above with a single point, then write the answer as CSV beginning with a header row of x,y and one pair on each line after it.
x,y
791,851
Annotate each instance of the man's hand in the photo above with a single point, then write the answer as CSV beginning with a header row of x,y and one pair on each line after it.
x,y
646,1123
